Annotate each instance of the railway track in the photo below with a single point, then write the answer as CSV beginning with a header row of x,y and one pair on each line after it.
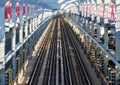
x,y
42,52
79,75
49,76
63,65
67,72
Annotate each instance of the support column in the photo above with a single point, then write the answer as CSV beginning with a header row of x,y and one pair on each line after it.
x,y
92,27
80,35
117,40
13,36
2,47
88,26
84,41
33,23
98,29
98,55
98,32
117,30
106,68
30,25
8,77
14,67
39,19
17,63
21,29
88,43
81,21
26,29
24,60
2,76
106,38
2,55
103,63
21,33
92,53
82,38
2,50
84,23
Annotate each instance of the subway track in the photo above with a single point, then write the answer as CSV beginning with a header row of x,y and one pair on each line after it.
x,y
42,52
64,65
79,75
49,76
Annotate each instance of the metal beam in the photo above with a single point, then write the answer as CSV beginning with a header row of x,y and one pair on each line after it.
x,y
107,52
